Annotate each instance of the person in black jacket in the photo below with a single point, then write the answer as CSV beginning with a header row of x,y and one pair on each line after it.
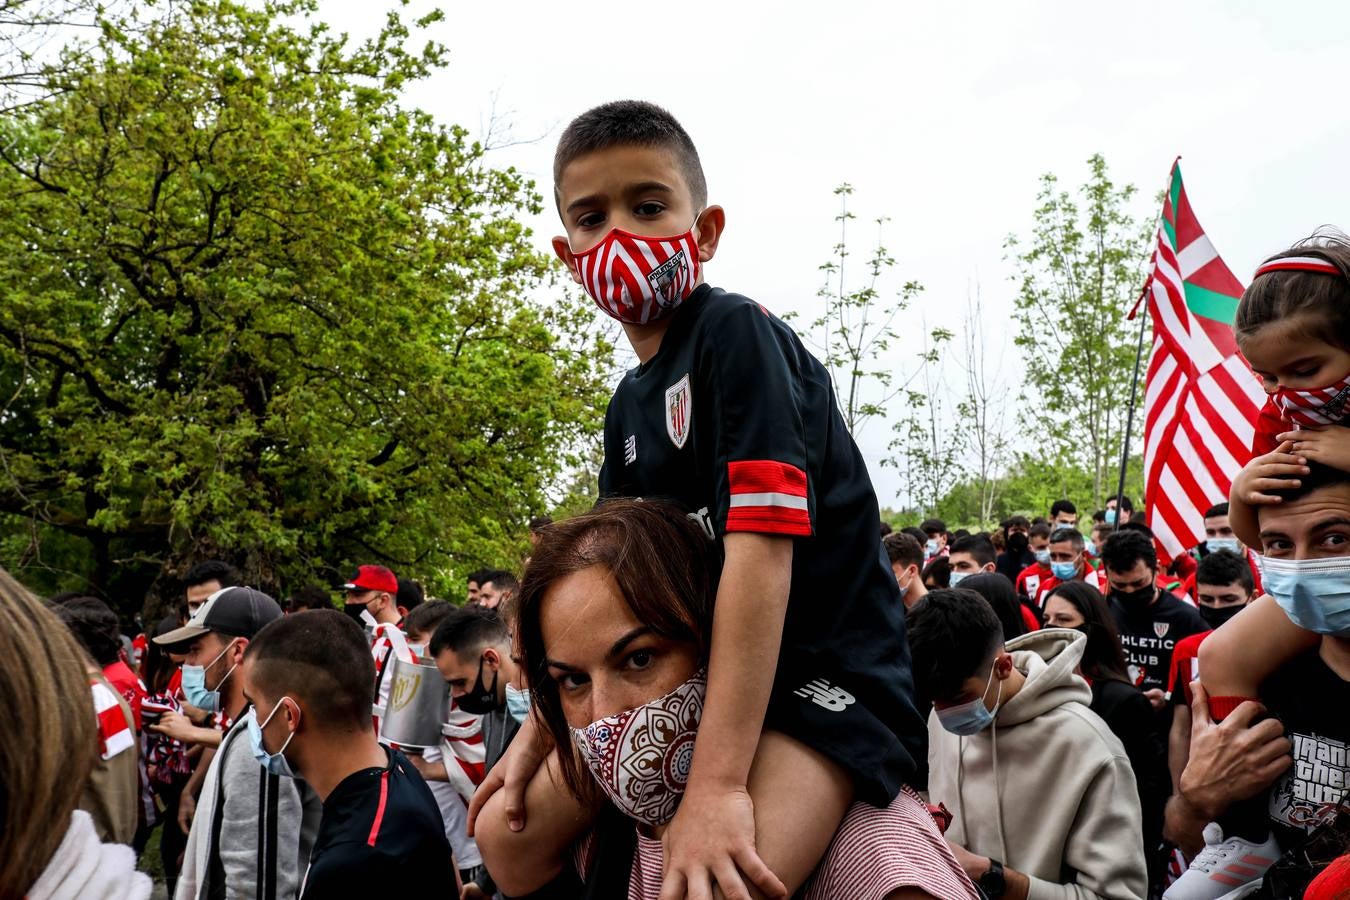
x,y
1121,705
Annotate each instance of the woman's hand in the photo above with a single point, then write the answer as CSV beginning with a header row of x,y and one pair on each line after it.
x,y
1270,473
177,726
1327,444
711,841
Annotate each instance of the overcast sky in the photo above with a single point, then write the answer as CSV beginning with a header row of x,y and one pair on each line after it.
x,y
942,117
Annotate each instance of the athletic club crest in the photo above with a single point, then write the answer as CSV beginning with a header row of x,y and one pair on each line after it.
x,y
1160,628
679,407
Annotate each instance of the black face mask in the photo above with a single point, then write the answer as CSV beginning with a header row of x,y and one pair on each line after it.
x,y
1139,599
481,699
1017,543
1216,616
354,610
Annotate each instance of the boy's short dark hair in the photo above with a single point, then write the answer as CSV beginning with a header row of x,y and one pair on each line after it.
x,y
1040,529
1319,475
1122,503
426,617
1072,535
1126,547
410,594
886,528
631,123
939,570
903,548
980,548
323,657
1224,567
1218,509
916,533
468,630
933,526
478,576
1063,506
92,623
503,579
1015,522
211,570
953,633
1283,294
311,596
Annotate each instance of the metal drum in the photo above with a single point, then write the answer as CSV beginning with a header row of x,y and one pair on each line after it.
x,y
418,696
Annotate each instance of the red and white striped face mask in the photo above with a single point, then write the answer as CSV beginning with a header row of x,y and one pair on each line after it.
x,y
638,279
1321,406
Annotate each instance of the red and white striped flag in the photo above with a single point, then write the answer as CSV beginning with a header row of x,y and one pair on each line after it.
x,y
115,733
1201,399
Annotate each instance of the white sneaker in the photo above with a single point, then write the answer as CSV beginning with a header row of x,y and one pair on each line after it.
x,y
1227,869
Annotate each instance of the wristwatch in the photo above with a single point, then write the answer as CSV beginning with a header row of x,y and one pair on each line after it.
x,y
992,882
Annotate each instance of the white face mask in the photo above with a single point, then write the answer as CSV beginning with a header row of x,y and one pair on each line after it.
x,y
641,757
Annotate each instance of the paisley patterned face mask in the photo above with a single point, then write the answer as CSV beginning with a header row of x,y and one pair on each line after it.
x,y
641,757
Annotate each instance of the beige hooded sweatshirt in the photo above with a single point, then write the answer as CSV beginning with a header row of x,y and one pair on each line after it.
x,y
1046,789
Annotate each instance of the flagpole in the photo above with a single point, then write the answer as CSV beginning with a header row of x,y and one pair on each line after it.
x,y
1129,416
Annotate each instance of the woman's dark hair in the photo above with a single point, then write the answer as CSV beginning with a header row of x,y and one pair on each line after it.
x,y
940,571
998,591
156,667
1280,295
666,569
1103,657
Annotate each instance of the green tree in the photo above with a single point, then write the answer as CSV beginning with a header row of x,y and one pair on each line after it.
x,y
1077,274
256,308
857,326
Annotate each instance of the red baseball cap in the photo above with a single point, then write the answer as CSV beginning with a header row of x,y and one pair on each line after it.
x,y
373,578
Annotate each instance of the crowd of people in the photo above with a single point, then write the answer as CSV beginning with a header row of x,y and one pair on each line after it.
x,y
722,681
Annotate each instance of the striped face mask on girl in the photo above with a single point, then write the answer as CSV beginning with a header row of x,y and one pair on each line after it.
x,y
1322,406
638,279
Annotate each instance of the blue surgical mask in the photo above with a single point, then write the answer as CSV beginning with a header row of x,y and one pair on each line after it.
x,y
1064,571
1090,548
194,684
1043,557
932,547
1314,593
517,703
958,577
274,763
1232,545
1110,517
973,716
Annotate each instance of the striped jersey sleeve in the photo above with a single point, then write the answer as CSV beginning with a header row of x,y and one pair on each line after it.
x,y
115,732
751,378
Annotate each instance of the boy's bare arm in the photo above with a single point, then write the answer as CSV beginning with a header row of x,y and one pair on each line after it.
x,y
713,833
1249,648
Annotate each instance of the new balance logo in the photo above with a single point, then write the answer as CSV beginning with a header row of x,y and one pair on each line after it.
x,y
822,694
630,450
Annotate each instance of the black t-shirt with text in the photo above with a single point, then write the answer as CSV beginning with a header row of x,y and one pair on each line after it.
x,y
736,423
1313,704
381,835
1149,634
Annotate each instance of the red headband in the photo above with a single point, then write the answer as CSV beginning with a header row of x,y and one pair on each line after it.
x,y
1298,264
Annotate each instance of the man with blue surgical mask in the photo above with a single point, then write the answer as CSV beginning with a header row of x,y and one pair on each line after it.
x,y
252,831
1219,536
1306,563
1068,562
999,714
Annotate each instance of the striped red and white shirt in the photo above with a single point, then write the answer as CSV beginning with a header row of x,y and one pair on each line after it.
x,y
874,853
115,730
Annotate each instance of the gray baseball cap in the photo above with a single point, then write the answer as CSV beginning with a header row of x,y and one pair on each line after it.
x,y
233,611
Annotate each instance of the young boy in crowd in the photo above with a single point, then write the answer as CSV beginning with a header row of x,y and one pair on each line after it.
x,y
728,415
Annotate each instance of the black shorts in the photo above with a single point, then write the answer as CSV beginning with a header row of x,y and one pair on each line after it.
x,y
855,708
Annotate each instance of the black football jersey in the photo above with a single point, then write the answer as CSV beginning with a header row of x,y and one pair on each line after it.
x,y
734,421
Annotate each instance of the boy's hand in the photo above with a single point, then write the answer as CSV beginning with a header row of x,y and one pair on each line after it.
x,y
711,841
1327,444
512,773
1271,472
